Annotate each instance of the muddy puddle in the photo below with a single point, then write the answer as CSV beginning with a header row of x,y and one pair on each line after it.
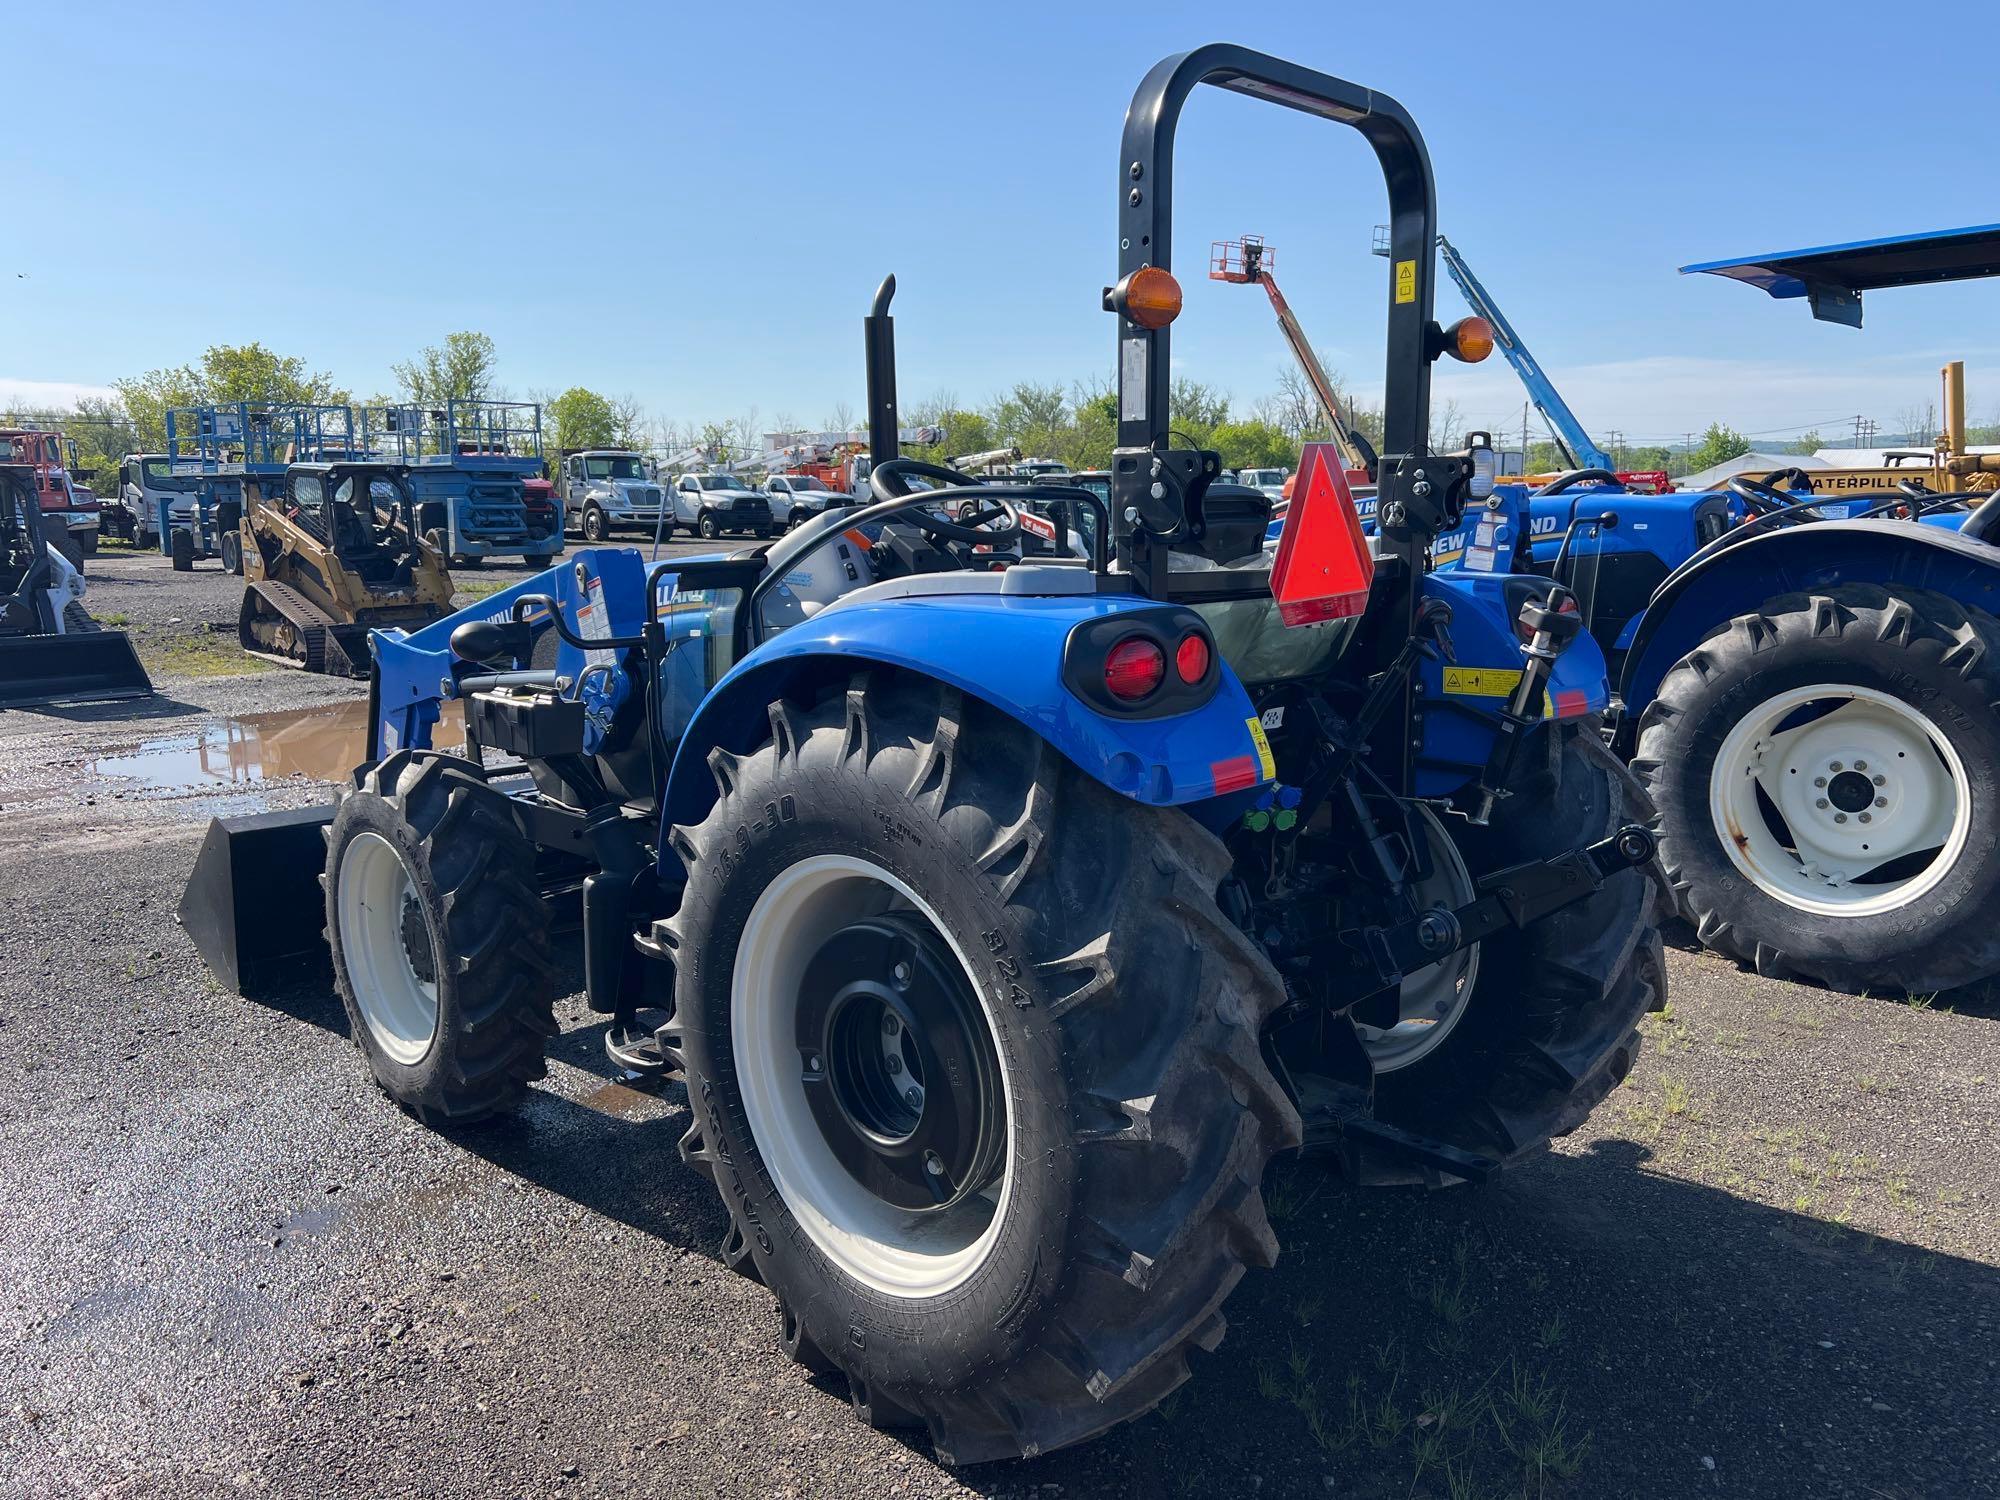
x,y
318,744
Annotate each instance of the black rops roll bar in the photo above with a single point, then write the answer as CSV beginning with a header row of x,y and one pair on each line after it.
x,y
1145,230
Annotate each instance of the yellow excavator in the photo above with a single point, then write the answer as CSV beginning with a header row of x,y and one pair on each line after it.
x,y
330,555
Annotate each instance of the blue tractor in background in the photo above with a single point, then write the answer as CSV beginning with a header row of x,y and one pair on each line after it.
x,y
1807,676
1006,900
474,468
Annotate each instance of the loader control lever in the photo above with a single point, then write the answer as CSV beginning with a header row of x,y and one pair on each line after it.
x,y
1550,630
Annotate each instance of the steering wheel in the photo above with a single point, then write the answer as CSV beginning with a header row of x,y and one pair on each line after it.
x,y
890,481
1573,478
1787,476
1765,499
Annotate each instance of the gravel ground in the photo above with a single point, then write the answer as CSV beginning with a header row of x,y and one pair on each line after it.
x,y
1767,1266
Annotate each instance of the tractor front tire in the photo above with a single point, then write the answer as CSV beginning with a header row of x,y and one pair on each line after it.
x,y
1827,770
1551,1024
1074,1029
180,551
440,938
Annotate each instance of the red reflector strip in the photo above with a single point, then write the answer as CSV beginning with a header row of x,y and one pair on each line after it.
x,y
1312,611
1572,703
1234,774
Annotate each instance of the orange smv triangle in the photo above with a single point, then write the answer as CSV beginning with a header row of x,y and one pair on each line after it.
x,y
1324,566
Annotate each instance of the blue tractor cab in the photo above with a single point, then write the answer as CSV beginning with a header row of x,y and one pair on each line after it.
x,y
1007,898
473,469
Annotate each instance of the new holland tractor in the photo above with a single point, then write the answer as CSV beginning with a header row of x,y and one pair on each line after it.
x,y
1808,668
1006,904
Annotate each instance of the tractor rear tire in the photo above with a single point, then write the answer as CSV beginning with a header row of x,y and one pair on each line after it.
x,y
440,938
1551,1026
1117,1009
180,551
1915,676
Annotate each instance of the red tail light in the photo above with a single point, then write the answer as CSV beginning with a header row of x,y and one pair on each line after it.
x,y
1134,668
1191,658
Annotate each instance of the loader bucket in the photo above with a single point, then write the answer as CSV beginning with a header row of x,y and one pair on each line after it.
x,y
253,906
97,666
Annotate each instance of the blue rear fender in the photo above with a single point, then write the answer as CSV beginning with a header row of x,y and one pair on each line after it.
x,y
1737,579
1007,652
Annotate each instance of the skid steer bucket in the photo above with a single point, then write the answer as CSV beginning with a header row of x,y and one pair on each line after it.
x,y
97,666
253,907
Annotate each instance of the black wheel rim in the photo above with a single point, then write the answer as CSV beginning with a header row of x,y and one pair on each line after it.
x,y
899,1066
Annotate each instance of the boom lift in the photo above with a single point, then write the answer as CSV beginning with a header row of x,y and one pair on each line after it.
x,y
1575,444
1250,260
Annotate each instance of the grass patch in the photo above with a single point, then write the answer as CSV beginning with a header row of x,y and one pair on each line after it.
x,y
204,655
480,589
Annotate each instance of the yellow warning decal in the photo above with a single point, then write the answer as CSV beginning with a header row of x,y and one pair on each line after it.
x,y
1406,281
1266,762
1481,682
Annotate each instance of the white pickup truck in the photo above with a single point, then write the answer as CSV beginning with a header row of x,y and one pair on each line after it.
x,y
711,504
608,488
797,498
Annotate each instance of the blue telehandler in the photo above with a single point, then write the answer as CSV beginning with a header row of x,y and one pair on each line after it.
x,y
1005,901
1808,666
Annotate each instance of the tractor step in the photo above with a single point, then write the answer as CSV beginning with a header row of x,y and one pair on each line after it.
x,y
640,1052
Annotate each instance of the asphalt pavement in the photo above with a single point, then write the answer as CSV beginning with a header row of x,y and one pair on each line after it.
x,y
1769,1265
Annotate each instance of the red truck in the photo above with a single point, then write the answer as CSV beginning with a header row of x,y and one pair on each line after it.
x,y
70,512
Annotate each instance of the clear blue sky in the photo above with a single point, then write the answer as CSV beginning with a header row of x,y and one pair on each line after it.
x,y
691,204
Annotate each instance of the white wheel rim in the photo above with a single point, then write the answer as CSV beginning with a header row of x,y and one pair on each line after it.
x,y
1829,797
1435,998
897,1253
376,895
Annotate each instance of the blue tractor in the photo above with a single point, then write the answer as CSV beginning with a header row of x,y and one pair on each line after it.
x,y
475,469
1006,902
1808,671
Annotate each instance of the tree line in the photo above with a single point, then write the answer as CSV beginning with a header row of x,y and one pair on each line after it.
x,y
1075,423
